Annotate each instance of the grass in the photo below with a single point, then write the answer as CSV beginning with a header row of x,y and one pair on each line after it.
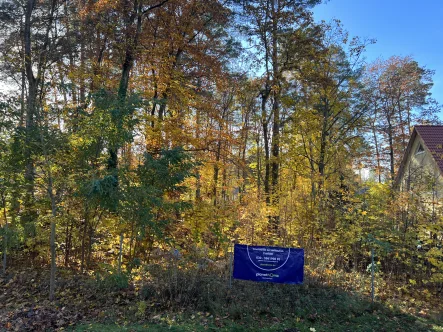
x,y
271,307
165,299
289,326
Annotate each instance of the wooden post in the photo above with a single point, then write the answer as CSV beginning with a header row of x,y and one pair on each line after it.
x,y
230,266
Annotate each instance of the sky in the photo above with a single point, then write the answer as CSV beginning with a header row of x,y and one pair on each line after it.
x,y
401,27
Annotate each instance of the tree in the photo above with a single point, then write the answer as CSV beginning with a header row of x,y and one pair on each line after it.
x,y
273,25
398,92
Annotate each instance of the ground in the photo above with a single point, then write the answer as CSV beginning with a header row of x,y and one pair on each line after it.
x,y
200,302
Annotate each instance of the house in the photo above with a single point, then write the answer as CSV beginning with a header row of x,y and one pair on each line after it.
x,y
421,170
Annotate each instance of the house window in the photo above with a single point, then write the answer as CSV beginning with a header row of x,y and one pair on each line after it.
x,y
420,149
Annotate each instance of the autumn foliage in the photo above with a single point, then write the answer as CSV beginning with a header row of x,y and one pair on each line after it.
x,y
139,133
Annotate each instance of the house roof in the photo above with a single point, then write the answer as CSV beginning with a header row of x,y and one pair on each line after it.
x,y
432,136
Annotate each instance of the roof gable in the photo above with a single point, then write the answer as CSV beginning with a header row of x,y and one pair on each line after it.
x,y
432,138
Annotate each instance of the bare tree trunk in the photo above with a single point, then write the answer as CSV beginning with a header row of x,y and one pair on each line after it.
x,y
120,254
242,153
323,146
266,147
275,162
82,74
377,153
197,136
224,195
29,214
132,239
154,103
53,262
216,170
391,147
5,235
23,83
68,241
83,250
52,197
90,236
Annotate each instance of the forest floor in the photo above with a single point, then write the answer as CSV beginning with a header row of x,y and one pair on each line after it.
x,y
188,301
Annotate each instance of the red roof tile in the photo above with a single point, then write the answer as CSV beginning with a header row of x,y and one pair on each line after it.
x,y
433,139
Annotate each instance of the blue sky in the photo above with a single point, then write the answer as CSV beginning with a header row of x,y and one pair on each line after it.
x,y
401,27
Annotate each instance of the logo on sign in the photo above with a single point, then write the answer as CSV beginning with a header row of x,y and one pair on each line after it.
x,y
270,275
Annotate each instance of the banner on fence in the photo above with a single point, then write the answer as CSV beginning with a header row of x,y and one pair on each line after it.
x,y
270,264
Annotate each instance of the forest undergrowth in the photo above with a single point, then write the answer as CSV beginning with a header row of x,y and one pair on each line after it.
x,y
181,295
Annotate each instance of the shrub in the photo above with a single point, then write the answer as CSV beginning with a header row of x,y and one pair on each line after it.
x,y
110,279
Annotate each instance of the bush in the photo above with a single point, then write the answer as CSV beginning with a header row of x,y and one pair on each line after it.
x,y
112,280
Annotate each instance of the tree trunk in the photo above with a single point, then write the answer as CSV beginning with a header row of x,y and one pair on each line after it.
x,y
29,214
154,103
391,148
53,228
266,147
323,146
51,195
258,166
216,171
53,262
83,250
5,235
224,195
68,241
377,153
275,106
120,254
198,177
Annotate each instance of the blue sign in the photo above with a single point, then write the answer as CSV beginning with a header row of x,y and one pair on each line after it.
x,y
271,264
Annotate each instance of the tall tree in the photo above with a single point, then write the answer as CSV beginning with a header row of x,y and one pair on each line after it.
x,y
271,24
399,95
